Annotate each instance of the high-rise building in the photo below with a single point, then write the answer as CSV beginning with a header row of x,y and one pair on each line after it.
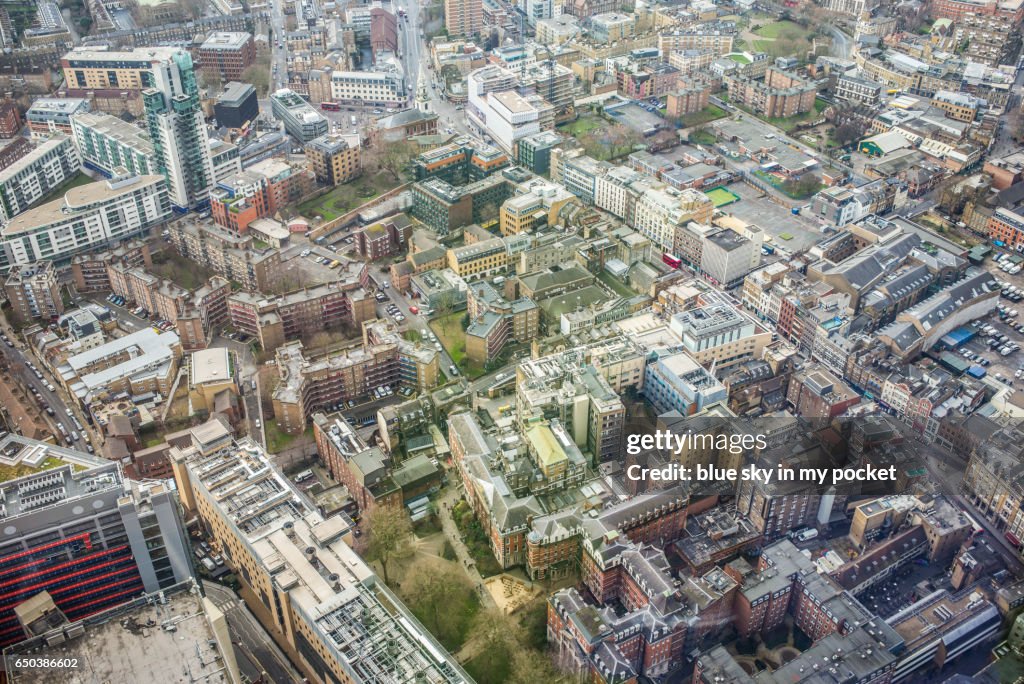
x,y
35,175
463,17
107,143
178,131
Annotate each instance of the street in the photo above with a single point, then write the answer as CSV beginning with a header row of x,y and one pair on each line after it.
x,y
18,359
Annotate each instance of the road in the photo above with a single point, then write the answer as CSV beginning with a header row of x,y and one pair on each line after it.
x,y
17,359
255,650
248,373
840,43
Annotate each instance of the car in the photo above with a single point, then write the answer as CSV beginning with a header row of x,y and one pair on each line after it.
x,y
51,387
399,318
259,423
386,285
438,347
452,370
304,253
1018,373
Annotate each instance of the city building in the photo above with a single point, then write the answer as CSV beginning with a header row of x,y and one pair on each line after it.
x,y
89,217
49,115
177,130
111,146
36,175
463,17
234,257
496,322
92,539
334,158
382,88
300,119
335,618
109,639
236,106
676,382
34,292
229,54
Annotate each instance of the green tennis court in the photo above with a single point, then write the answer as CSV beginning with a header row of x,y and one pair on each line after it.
x,y
722,196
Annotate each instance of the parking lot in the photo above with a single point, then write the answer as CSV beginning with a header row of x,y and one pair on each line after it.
x,y
773,218
900,589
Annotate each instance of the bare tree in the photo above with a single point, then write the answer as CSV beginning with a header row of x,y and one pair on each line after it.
x,y
391,158
390,536
442,595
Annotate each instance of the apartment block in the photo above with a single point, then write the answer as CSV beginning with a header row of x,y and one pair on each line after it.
x,y
34,292
108,144
496,322
89,270
334,158
36,174
88,217
779,95
463,17
49,115
303,312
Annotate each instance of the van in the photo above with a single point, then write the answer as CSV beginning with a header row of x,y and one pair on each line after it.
x,y
807,535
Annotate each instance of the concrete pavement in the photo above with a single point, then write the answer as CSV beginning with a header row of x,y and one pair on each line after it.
x,y
451,533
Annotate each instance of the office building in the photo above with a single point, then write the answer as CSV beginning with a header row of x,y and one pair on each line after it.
x,y
676,382
228,54
334,158
300,119
34,292
177,130
236,106
318,597
463,17
82,533
109,144
49,115
36,174
88,217
373,88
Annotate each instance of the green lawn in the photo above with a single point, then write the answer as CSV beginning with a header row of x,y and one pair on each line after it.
x,y
584,124
183,271
491,667
345,198
277,439
739,58
709,113
75,181
702,138
451,335
775,29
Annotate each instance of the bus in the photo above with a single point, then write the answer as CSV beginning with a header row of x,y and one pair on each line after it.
x,y
330,106
671,260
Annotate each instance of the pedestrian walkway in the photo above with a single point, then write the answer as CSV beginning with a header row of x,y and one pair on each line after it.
x,y
451,532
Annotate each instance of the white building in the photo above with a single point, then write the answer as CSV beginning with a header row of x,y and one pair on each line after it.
x,y
35,175
727,257
658,213
375,88
542,9
497,110
87,217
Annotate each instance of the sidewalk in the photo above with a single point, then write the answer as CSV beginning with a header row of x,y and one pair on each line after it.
x,y
451,533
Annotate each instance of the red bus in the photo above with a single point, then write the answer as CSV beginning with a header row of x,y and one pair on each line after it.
x,y
671,260
1012,538
330,106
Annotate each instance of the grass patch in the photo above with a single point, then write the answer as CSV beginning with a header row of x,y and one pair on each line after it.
x,y
345,198
11,472
785,236
412,335
739,58
185,272
702,138
451,335
427,526
781,186
279,440
708,114
775,29
75,181
584,124
617,285
493,667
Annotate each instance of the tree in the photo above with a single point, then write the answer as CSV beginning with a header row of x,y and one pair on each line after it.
x,y
392,158
442,597
259,77
529,668
807,184
848,133
390,536
210,79
444,305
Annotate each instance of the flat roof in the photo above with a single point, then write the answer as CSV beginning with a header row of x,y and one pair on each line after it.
x,y
211,365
